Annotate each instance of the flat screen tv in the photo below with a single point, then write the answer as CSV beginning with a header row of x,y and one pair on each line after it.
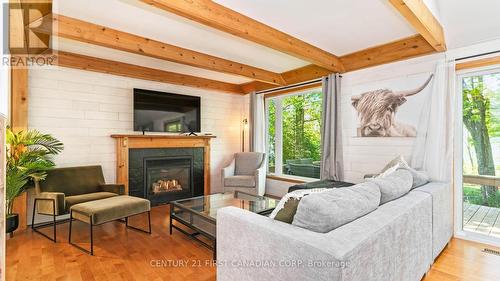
x,y
165,112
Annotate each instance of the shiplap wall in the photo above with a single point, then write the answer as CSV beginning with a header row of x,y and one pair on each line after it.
x,y
368,155
83,109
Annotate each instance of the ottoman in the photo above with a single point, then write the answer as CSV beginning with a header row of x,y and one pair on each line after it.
x,y
106,210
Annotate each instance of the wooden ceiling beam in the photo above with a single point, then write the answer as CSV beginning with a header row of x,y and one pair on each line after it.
x,y
421,18
224,19
405,48
88,63
82,31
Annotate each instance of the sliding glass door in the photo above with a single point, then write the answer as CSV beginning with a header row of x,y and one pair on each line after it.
x,y
480,161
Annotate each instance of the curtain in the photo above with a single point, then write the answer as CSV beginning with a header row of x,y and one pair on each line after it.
x,y
433,148
331,130
257,123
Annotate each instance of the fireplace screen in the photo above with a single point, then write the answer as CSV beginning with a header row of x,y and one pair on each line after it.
x,y
168,175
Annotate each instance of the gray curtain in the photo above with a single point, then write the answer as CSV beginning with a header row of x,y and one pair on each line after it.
x,y
257,127
331,130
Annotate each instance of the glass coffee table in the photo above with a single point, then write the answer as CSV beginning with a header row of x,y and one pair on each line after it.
x,y
199,213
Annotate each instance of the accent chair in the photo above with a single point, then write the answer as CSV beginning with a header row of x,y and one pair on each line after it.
x,y
246,173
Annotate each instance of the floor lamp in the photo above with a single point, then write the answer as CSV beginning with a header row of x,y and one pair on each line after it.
x,y
245,126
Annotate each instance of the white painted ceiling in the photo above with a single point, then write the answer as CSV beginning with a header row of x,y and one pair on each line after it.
x,y
468,22
337,26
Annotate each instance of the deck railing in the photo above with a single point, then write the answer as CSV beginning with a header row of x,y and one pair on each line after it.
x,y
482,180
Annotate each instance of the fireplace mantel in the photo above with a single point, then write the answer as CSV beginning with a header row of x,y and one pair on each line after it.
x,y
126,142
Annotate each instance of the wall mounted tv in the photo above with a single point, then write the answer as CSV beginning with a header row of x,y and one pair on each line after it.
x,y
166,112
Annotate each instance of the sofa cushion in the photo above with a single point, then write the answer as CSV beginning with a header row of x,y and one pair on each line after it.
x,y
240,181
394,185
325,211
110,209
246,163
73,180
77,199
287,207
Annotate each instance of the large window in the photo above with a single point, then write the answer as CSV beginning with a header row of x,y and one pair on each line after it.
x,y
294,133
480,99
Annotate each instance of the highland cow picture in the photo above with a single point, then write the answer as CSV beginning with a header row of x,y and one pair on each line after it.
x,y
390,108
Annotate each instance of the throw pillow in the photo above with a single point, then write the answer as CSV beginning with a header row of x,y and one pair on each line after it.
x,y
323,212
287,207
419,177
400,160
394,185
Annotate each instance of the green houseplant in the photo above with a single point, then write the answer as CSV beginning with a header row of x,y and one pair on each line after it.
x,y
29,157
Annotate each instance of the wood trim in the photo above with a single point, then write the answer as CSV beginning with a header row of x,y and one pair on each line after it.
x,y
306,73
72,60
421,18
126,142
482,180
19,122
278,178
224,19
478,63
292,90
403,49
163,136
87,32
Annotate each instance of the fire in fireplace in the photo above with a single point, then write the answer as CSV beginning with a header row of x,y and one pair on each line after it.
x,y
167,178
165,174
166,185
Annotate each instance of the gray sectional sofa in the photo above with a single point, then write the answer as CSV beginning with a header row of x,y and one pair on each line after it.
x,y
397,241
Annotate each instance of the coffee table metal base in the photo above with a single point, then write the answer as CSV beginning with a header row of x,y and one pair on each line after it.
x,y
194,235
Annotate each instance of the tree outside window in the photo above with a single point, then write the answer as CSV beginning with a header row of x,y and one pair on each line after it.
x,y
294,133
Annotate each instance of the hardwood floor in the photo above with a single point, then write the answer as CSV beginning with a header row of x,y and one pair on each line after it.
x,y
122,254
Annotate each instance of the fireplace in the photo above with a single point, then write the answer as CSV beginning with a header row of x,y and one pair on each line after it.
x,y
166,174
168,178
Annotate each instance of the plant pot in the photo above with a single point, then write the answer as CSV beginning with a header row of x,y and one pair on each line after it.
x,y
11,223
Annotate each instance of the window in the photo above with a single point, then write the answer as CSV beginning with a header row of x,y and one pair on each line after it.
x,y
480,195
294,133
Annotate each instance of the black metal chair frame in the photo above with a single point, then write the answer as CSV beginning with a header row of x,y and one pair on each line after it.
x,y
91,229
54,222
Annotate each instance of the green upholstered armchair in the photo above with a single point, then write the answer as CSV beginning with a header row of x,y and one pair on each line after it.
x,y
65,187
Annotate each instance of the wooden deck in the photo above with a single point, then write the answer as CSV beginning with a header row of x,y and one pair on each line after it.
x,y
482,219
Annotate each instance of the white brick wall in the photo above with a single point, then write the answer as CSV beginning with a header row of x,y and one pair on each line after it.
x,y
83,109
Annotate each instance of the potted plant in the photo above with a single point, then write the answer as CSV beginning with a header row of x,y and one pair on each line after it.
x,y
29,157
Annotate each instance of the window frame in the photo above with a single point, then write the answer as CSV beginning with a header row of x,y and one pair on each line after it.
x,y
278,131
459,230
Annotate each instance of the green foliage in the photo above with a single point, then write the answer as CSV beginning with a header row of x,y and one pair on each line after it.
x,y
473,195
301,124
481,125
29,157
